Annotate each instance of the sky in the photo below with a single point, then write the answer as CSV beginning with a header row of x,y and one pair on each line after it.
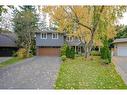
x,y
123,20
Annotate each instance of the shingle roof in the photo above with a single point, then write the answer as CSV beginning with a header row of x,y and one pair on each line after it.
x,y
120,40
75,42
47,30
8,40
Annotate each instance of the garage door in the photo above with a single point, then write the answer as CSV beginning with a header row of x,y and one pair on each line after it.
x,y
122,51
49,51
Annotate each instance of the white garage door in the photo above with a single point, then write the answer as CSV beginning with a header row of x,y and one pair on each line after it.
x,y
122,51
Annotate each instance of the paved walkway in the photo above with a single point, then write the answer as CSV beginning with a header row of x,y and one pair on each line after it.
x,y
2,59
121,67
32,73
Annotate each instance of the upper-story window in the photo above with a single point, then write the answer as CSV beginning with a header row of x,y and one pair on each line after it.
x,y
54,35
43,35
70,38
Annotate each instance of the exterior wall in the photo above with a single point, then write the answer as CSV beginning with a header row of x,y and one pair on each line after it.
x,y
49,41
116,45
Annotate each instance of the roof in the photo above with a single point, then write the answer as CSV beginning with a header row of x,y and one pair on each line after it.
x,y
47,30
8,40
120,40
75,42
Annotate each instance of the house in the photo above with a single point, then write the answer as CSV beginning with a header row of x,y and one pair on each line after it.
x,y
120,47
7,44
49,42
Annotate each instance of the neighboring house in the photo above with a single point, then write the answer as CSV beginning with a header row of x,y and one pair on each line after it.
x,y
7,44
49,42
120,47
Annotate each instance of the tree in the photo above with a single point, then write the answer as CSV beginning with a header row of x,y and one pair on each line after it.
x,y
89,23
25,26
122,31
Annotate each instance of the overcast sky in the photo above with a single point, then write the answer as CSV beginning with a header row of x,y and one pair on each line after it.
x,y
124,19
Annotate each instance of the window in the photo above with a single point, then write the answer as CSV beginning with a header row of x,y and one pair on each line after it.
x,y
69,38
54,35
43,35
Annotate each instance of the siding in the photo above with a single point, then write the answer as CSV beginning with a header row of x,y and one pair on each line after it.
x,y
49,41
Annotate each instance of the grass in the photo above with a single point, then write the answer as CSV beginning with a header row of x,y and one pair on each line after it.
x,y
79,73
10,61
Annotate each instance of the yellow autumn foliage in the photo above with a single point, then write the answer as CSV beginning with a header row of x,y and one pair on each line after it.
x,y
86,18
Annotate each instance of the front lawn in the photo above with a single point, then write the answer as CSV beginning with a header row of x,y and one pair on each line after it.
x,y
10,61
81,74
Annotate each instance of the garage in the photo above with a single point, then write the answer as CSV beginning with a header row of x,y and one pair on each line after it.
x,y
48,51
7,51
120,47
122,51
8,45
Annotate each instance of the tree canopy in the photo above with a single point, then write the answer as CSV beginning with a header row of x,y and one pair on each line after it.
x,y
122,31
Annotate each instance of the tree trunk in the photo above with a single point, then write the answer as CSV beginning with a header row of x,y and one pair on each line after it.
x,y
86,49
28,50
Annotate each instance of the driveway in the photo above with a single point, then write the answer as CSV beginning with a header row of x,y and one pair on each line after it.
x,y
121,67
2,59
32,73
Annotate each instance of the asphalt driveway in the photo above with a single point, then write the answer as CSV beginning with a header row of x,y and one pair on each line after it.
x,y
121,67
32,73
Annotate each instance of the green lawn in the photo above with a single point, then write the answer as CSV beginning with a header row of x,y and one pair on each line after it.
x,y
10,61
80,74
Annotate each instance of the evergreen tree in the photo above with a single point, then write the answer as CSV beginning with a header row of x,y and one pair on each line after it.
x,y
25,25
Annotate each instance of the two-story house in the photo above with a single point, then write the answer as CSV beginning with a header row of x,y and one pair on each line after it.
x,y
49,42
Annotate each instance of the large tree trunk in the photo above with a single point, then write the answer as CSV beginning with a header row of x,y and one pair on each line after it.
x,y
88,47
86,51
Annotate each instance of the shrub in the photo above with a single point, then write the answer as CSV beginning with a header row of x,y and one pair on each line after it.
x,y
14,54
63,50
63,58
105,51
22,53
95,53
70,52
